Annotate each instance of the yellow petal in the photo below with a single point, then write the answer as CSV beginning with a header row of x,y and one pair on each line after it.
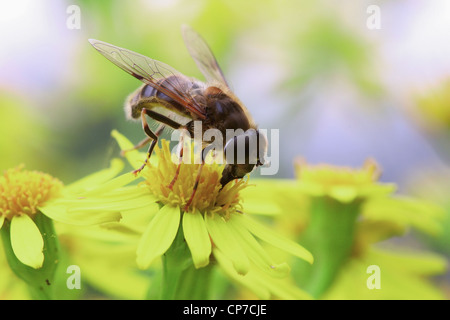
x,y
83,218
268,235
262,207
197,238
134,157
110,185
158,236
255,251
26,241
94,179
224,239
227,267
405,211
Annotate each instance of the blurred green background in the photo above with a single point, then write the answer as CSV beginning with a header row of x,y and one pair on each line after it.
x,y
339,91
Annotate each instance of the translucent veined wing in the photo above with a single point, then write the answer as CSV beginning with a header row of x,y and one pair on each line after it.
x,y
203,56
152,72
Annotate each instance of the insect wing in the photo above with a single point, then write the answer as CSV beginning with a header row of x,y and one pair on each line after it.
x,y
203,56
151,72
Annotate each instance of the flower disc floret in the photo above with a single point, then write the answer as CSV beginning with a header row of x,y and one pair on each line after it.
x,y
22,191
343,184
209,197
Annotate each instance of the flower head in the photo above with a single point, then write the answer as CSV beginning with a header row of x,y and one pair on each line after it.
x,y
343,184
214,226
27,195
22,194
353,211
209,197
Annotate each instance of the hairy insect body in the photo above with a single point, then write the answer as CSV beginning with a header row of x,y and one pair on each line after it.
x,y
223,111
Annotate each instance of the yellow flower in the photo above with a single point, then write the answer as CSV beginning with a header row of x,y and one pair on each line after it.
x,y
214,226
348,212
341,183
22,195
30,202
214,221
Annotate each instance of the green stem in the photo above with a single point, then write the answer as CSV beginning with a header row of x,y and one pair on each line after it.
x,y
180,279
195,283
329,237
171,277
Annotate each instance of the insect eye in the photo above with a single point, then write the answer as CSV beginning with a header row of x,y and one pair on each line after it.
x,y
262,148
245,149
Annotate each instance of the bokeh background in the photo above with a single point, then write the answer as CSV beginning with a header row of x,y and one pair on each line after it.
x,y
338,91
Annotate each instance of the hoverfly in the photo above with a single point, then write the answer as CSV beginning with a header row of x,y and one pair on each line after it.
x,y
213,103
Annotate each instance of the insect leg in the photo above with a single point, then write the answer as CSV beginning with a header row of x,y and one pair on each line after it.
x,y
158,117
171,123
180,159
197,179
194,190
164,121
138,146
151,135
161,118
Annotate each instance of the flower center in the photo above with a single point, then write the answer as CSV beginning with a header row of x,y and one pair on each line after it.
x,y
209,196
22,191
327,175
